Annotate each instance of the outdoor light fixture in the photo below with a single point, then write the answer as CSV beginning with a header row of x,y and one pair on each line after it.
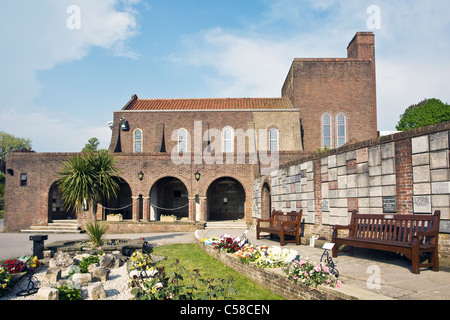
x,y
10,172
124,124
140,175
197,175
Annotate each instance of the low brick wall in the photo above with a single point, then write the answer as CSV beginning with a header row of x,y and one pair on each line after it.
x,y
274,279
151,227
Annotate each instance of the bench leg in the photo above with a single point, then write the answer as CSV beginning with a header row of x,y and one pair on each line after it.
x,y
281,238
435,260
415,260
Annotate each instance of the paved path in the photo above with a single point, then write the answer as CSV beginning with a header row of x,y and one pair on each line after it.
x,y
368,275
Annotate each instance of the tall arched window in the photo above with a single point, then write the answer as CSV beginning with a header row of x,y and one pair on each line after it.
x,y
326,131
182,140
137,143
341,130
228,139
273,139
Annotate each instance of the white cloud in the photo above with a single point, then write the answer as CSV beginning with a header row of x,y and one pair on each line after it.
x,y
37,38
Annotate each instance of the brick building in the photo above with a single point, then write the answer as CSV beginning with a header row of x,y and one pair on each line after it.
x,y
197,158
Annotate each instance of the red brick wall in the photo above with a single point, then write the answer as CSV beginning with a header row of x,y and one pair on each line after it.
x,y
347,85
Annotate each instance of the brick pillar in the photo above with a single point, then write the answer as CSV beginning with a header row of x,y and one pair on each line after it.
x,y
135,213
146,208
191,209
202,208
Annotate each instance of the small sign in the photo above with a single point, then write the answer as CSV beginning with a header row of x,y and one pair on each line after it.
x,y
328,246
444,226
389,205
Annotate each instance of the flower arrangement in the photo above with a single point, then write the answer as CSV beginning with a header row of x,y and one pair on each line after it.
x,y
14,266
228,244
140,261
5,278
311,274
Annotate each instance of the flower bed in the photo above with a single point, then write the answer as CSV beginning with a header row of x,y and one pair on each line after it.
x,y
296,270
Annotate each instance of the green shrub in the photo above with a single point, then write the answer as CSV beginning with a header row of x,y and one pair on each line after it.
x,y
69,293
96,232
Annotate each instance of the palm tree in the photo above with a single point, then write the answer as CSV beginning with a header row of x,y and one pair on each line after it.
x,y
88,178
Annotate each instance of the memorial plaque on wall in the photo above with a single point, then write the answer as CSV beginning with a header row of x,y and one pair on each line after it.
x,y
389,204
444,226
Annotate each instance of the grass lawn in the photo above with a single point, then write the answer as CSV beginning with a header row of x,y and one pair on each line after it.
x,y
192,257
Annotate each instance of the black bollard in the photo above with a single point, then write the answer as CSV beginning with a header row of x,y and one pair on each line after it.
x,y
38,245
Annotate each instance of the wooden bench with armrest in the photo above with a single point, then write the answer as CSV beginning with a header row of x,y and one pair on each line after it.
x,y
281,224
410,235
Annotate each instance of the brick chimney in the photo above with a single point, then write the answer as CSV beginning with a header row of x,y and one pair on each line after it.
x,y
362,46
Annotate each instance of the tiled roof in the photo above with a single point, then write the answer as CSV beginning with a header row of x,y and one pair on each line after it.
x,y
209,104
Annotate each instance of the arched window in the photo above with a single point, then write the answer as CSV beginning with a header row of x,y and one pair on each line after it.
x,y
341,130
182,141
273,139
326,131
137,143
228,139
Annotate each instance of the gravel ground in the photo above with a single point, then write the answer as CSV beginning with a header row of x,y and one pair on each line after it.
x,y
116,288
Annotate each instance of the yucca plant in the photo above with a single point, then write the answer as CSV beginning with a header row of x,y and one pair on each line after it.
x,y
96,231
88,178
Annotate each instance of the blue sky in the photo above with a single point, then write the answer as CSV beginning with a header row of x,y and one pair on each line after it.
x,y
60,86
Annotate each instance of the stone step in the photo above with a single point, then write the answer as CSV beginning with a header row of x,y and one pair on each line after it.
x,y
227,224
57,226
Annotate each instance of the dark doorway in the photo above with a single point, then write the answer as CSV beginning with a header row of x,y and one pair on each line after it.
x,y
226,200
122,204
169,196
56,208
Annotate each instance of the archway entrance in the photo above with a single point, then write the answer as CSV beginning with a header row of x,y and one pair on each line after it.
x,y
122,204
266,202
169,196
226,200
56,208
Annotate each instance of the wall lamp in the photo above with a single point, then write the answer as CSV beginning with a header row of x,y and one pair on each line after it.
x,y
10,172
124,124
197,176
140,175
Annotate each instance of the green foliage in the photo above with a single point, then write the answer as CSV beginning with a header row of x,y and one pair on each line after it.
x,y
178,284
425,113
96,232
89,177
91,146
86,262
69,293
9,143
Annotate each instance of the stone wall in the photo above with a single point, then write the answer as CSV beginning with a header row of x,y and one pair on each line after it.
x,y
405,173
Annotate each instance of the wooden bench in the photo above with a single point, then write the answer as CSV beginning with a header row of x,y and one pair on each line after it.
x,y
282,224
410,235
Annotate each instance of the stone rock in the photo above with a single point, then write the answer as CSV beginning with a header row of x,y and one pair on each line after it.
x,y
100,273
46,293
52,275
68,283
92,267
61,260
82,278
109,261
96,291
77,259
